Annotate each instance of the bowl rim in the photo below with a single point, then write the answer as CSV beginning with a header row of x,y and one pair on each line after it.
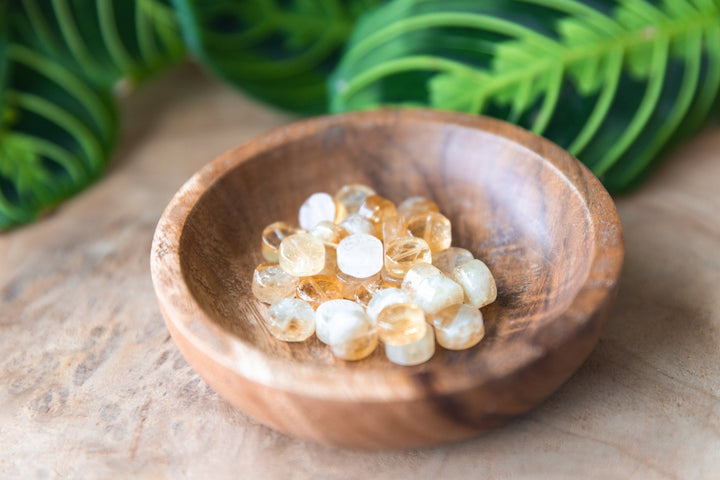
x,y
185,317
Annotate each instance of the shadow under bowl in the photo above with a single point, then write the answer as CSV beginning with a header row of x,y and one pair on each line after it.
x,y
538,218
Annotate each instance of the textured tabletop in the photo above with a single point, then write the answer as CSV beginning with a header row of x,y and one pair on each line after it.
x,y
92,385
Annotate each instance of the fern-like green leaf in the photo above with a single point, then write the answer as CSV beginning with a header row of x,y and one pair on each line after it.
x,y
615,83
278,51
59,62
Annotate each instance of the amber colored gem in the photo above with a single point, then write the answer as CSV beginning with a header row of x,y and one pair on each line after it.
x,y
413,206
318,289
434,228
272,235
404,253
401,323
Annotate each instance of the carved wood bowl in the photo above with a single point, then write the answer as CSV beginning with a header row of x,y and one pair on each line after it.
x,y
541,221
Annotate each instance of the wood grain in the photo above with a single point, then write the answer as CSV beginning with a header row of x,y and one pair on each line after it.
x,y
538,218
92,386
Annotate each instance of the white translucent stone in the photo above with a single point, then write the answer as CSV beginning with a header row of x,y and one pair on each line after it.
x,y
478,283
384,298
358,224
291,320
413,353
416,274
352,336
458,327
446,260
319,207
360,255
332,311
436,292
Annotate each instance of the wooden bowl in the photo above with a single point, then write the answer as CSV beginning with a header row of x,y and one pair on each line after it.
x,y
541,221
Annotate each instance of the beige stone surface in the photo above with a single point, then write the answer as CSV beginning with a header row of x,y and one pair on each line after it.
x,y
92,386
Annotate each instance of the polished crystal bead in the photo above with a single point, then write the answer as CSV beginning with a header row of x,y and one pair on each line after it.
x,y
417,273
350,284
352,335
446,260
330,267
376,209
413,353
271,283
368,288
329,312
401,323
329,233
392,228
434,228
436,292
458,326
404,253
388,281
355,224
317,208
413,206
319,289
384,298
478,283
290,320
360,255
272,235
350,197
302,255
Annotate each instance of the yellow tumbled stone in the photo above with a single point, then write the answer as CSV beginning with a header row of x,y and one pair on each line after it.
x,y
413,353
401,323
446,260
271,283
290,320
434,228
352,335
272,235
404,253
302,255
392,228
376,209
477,281
319,289
329,233
458,326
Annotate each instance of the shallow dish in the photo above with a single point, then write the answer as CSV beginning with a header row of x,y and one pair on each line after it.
x,y
542,222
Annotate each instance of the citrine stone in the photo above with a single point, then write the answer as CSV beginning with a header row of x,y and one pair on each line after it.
x,y
404,253
350,197
384,298
401,323
319,207
413,353
436,292
458,326
330,267
417,273
350,284
478,283
332,311
392,228
360,255
319,289
271,283
272,235
367,289
446,260
302,255
434,228
355,223
290,320
413,206
376,209
329,233
352,335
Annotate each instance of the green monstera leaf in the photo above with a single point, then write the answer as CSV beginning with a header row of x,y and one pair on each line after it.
x,y
280,51
614,82
58,119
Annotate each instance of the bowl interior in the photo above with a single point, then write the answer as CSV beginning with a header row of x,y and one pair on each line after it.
x,y
508,205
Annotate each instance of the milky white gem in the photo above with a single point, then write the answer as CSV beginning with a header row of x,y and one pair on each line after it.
x,y
332,311
477,282
384,298
317,208
413,353
360,255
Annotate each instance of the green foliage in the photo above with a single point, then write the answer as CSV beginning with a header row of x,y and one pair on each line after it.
x,y
613,82
280,51
59,62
